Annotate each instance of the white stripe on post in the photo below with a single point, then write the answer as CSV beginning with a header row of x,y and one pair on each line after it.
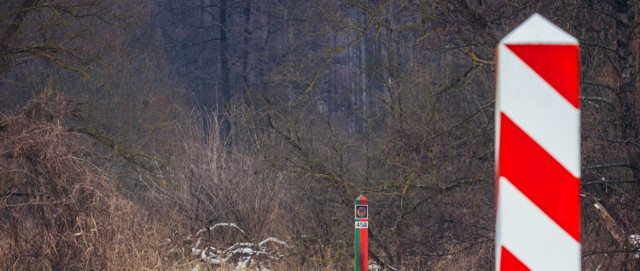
x,y
530,231
538,149
533,107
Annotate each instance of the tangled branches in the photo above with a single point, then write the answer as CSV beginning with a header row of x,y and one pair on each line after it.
x,y
58,208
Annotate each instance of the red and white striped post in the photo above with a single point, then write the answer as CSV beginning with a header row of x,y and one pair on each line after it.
x,y
538,149
362,233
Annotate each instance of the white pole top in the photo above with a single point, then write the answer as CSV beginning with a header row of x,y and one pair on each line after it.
x,y
538,30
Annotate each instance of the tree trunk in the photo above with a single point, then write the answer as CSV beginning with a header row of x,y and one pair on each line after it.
x,y
11,31
626,93
245,49
225,85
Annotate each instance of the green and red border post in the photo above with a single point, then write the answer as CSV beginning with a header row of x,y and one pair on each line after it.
x,y
361,211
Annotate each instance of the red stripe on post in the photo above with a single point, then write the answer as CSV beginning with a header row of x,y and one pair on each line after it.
x,y
364,249
509,262
540,177
556,64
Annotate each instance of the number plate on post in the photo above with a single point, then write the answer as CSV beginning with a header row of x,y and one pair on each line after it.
x,y
362,225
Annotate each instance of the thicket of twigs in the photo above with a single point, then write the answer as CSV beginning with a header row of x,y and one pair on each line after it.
x,y
64,207
60,210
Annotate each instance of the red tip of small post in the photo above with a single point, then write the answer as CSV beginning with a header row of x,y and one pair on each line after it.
x,y
362,200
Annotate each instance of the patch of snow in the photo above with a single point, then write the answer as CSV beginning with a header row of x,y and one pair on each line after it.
x,y
634,239
211,228
243,264
243,250
274,240
242,253
375,267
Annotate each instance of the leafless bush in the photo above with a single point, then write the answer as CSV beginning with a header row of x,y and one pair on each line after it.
x,y
59,210
609,228
218,183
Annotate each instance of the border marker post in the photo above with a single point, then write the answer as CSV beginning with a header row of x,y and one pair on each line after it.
x,y
538,149
361,211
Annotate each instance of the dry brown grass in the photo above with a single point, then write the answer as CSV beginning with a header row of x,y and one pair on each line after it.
x,y
59,210
63,206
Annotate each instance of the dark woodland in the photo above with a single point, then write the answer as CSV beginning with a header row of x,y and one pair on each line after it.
x,y
235,135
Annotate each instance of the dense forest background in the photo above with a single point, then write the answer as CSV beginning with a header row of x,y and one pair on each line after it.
x,y
170,134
